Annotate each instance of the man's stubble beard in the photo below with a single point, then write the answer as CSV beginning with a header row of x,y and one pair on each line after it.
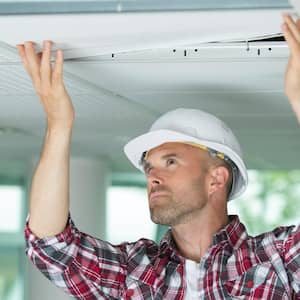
x,y
168,212
173,211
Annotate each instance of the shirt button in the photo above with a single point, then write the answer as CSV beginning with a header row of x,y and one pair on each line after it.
x,y
250,284
129,293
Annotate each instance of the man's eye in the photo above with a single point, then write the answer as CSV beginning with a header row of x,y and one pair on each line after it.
x,y
171,161
147,170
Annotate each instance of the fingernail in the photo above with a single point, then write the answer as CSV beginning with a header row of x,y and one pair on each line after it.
x,y
285,15
284,27
30,42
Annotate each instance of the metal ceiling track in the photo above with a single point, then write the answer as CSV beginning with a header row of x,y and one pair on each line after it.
x,y
102,6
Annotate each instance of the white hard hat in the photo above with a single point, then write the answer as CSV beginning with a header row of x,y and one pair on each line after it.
x,y
197,127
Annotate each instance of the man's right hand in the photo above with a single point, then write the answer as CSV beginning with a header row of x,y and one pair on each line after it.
x,y
49,196
48,83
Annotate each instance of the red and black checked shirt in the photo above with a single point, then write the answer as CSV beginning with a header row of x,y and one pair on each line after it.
x,y
237,266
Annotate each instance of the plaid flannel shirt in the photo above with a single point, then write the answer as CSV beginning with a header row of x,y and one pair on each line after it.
x,y
236,266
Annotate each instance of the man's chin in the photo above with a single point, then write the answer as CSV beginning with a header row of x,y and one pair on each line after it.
x,y
160,222
159,219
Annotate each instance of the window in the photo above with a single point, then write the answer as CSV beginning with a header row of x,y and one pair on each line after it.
x,y
271,200
11,286
10,208
128,217
11,242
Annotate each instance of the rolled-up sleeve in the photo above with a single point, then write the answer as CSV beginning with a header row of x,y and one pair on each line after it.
x,y
83,266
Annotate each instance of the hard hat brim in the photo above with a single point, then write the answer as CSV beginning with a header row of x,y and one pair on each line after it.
x,y
135,148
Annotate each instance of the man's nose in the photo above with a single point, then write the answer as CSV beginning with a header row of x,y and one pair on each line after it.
x,y
154,177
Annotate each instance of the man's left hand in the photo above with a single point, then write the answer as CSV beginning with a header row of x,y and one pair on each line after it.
x,y
291,31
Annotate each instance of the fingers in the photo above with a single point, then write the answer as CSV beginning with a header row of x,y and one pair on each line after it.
x,y
22,54
38,65
291,34
32,61
298,24
58,68
292,26
45,69
290,39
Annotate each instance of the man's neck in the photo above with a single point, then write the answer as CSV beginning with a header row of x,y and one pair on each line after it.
x,y
194,238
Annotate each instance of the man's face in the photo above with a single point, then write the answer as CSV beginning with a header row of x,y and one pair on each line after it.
x,y
176,175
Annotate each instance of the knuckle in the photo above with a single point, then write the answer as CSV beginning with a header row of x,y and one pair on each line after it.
x,y
44,61
57,77
45,92
39,92
44,66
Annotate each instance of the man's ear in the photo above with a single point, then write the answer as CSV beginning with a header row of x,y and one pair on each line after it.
x,y
219,176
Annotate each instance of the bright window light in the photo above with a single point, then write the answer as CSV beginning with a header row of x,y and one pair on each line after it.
x,y
10,208
128,217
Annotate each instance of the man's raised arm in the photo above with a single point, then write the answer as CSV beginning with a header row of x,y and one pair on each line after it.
x,y
49,197
291,30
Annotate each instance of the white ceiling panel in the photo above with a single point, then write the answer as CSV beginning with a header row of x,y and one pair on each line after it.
x,y
117,97
115,33
206,69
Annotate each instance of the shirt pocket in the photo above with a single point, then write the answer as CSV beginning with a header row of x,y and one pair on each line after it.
x,y
251,283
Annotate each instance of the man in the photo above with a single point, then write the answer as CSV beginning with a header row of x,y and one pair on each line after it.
x,y
193,165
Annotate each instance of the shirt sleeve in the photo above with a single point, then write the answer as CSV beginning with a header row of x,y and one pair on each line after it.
x,y
292,259
83,266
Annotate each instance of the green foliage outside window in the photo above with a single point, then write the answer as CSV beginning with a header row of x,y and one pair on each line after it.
x,y
271,200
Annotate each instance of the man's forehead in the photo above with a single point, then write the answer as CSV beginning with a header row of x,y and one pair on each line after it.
x,y
168,147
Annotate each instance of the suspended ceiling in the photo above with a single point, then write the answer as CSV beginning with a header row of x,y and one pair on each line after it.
x,y
124,70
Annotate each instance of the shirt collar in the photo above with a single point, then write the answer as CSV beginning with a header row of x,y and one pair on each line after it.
x,y
234,233
167,247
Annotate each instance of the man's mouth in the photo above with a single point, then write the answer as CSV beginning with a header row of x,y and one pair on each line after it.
x,y
158,194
